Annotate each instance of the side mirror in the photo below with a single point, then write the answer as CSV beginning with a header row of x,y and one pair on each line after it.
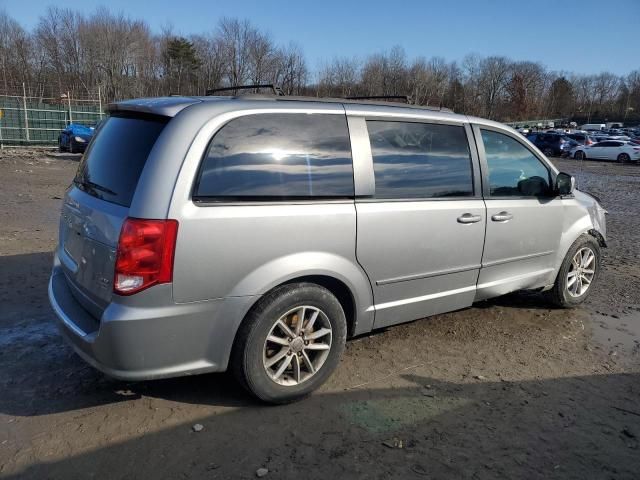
x,y
565,184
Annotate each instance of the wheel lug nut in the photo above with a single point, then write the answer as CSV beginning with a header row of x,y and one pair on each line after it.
x,y
306,342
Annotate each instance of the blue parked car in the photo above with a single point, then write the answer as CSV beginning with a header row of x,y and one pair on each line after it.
x,y
75,138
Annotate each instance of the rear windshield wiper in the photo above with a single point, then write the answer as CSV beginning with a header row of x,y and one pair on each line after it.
x,y
94,186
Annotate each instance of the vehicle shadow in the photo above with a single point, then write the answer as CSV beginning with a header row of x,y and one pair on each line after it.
x,y
576,427
524,299
40,374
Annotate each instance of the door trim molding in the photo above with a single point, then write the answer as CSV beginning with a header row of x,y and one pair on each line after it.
x,y
418,276
424,298
516,259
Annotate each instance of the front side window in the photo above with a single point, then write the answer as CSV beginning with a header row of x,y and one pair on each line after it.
x,y
513,169
420,160
278,156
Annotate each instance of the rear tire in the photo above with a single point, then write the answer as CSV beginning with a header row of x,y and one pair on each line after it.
x,y
624,158
573,274
548,152
307,361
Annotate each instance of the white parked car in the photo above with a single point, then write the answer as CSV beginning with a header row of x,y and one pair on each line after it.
x,y
608,150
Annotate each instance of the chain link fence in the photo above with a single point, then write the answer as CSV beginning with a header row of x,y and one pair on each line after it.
x,y
35,117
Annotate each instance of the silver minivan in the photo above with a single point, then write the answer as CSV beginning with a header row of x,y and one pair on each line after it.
x,y
257,233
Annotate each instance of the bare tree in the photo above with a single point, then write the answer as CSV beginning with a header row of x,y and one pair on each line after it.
x,y
72,51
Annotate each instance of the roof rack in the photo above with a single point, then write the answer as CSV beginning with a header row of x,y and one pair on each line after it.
x,y
406,98
277,91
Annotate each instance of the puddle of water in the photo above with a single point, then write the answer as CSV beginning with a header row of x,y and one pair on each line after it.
x,y
618,334
388,415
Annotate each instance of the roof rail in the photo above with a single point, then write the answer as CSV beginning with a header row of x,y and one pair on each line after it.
x,y
277,91
406,98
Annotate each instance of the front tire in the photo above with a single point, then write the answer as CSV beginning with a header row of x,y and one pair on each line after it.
x,y
579,271
579,155
548,152
290,343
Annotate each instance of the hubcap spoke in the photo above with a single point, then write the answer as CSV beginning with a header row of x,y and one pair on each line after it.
x,y
286,362
296,368
300,320
308,363
317,346
312,321
286,329
318,334
277,357
278,340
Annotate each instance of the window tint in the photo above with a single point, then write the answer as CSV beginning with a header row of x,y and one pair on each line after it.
x,y
279,156
513,169
420,160
112,165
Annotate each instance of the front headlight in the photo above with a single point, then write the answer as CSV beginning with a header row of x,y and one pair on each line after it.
x,y
80,139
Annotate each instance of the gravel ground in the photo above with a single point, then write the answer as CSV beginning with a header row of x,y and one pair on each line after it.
x,y
510,388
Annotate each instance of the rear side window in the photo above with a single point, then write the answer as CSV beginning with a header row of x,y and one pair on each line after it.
x,y
111,166
420,160
278,156
513,169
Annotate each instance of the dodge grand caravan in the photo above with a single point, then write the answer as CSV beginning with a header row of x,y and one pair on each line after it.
x,y
258,233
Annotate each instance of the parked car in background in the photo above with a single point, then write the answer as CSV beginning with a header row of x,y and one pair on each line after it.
x,y
581,138
593,126
75,138
568,147
552,144
608,150
622,138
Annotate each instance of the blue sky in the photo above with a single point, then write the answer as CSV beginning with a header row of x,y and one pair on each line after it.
x,y
584,36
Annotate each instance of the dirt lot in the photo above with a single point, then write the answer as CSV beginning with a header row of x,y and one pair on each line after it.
x,y
507,389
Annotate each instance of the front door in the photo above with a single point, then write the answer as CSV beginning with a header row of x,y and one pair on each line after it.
x,y
524,219
420,236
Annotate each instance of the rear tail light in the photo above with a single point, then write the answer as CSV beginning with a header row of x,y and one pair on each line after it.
x,y
145,254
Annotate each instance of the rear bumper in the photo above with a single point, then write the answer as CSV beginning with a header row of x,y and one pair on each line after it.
x,y
149,336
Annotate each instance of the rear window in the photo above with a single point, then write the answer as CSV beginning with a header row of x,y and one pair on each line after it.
x,y
278,156
114,160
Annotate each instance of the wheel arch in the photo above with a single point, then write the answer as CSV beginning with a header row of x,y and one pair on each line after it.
x,y
336,286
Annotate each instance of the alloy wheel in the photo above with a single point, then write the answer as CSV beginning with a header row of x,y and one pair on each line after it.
x,y
581,272
297,346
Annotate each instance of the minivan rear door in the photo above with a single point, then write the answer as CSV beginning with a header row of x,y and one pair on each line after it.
x,y
98,201
421,230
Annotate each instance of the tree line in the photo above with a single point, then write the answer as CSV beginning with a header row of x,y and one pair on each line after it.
x,y
68,51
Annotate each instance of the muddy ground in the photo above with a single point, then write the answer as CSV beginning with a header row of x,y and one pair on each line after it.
x,y
507,389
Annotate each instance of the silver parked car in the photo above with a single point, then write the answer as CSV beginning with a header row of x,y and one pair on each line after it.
x,y
258,233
